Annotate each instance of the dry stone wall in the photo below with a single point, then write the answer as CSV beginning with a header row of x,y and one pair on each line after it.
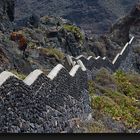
x,y
48,103
92,63
43,104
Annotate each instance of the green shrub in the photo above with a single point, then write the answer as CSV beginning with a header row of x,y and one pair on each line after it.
x,y
124,86
119,107
127,84
106,105
32,45
122,103
75,30
7,40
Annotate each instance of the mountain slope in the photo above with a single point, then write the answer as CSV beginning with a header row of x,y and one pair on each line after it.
x,y
95,15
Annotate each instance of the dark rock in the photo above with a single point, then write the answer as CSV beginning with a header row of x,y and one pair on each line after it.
x,y
34,20
94,16
7,8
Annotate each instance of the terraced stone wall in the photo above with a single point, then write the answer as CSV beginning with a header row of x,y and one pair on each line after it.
x,y
43,104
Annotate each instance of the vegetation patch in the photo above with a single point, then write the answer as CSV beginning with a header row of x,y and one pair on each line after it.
x,y
96,127
19,74
120,111
121,104
91,86
137,50
128,84
76,31
103,77
52,52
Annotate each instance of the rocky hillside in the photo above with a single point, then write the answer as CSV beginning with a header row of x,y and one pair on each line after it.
x,y
7,9
47,45
94,16
49,42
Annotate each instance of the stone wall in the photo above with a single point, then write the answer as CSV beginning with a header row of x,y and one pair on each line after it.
x,y
44,104
98,62
49,103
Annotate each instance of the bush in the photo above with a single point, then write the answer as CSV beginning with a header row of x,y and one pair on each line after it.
x,y
32,45
127,84
106,105
7,40
52,52
104,78
76,31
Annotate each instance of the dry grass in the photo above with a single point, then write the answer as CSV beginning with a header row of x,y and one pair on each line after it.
x,y
52,52
19,75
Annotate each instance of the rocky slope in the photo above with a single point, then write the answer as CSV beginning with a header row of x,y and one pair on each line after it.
x,y
48,43
111,43
96,16
7,9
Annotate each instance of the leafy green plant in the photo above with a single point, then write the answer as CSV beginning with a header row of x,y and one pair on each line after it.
x,y
32,45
